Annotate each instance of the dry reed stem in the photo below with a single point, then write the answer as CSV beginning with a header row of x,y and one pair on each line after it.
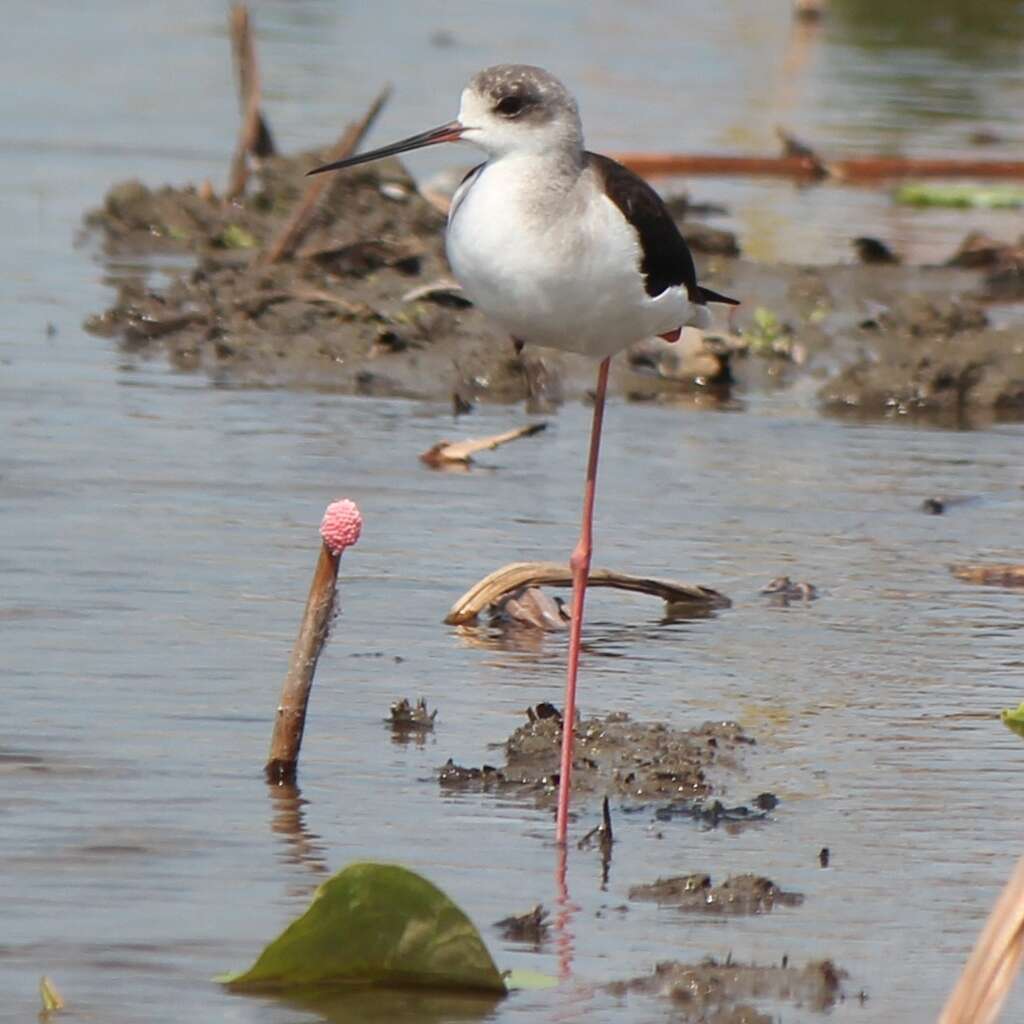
x,y
992,966
859,170
534,574
290,720
304,214
247,72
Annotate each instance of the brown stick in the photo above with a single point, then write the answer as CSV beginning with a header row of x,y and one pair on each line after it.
x,y
291,711
992,967
252,129
529,574
304,213
858,170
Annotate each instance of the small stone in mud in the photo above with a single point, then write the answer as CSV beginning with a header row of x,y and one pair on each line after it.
x,y
545,709
406,718
531,927
873,250
740,894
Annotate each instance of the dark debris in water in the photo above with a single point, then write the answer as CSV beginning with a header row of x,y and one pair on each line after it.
x,y
738,895
530,928
406,717
637,762
782,590
713,813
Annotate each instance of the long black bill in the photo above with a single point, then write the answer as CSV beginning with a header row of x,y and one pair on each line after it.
x,y
450,132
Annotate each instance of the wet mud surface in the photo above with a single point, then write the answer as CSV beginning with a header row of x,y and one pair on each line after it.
x,y
730,993
367,306
639,763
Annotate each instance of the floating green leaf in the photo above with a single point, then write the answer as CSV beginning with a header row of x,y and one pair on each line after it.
x,y
1013,718
963,196
375,924
528,980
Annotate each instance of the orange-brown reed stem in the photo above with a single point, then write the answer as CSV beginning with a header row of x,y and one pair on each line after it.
x,y
290,720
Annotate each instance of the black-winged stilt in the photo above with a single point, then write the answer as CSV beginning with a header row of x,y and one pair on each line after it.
x,y
563,248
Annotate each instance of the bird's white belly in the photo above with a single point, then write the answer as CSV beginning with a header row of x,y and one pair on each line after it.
x,y
563,274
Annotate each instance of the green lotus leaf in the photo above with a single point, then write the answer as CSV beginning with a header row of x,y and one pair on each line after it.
x,y
966,196
1013,718
375,924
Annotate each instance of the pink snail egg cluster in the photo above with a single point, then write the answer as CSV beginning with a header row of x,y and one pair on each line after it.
x,y
341,525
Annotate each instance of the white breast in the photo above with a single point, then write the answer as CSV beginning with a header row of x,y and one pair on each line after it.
x,y
556,265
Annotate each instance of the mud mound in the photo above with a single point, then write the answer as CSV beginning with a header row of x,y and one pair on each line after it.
x,y
639,762
932,358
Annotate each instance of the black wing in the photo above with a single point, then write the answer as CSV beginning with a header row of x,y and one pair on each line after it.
x,y
666,261
472,172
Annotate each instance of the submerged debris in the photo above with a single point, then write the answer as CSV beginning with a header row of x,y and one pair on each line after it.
x,y
718,991
404,717
531,927
740,894
782,590
714,813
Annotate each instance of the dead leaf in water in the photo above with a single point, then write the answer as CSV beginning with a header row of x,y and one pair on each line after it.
x,y
446,454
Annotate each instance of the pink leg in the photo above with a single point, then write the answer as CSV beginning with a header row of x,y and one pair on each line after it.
x,y
580,565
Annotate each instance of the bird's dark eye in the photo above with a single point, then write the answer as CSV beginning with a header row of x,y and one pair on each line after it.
x,y
510,106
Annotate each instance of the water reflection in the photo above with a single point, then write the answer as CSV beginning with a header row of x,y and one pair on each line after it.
x,y
981,33
369,1005
301,846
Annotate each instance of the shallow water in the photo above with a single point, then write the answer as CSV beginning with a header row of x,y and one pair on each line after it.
x,y
160,532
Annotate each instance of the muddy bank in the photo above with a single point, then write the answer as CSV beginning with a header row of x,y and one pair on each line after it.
x,y
640,763
367,306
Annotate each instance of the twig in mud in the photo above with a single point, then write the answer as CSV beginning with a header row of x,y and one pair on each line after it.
x,y
340,529
304,213
523,574
602,833
447,453
254,137
992,967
